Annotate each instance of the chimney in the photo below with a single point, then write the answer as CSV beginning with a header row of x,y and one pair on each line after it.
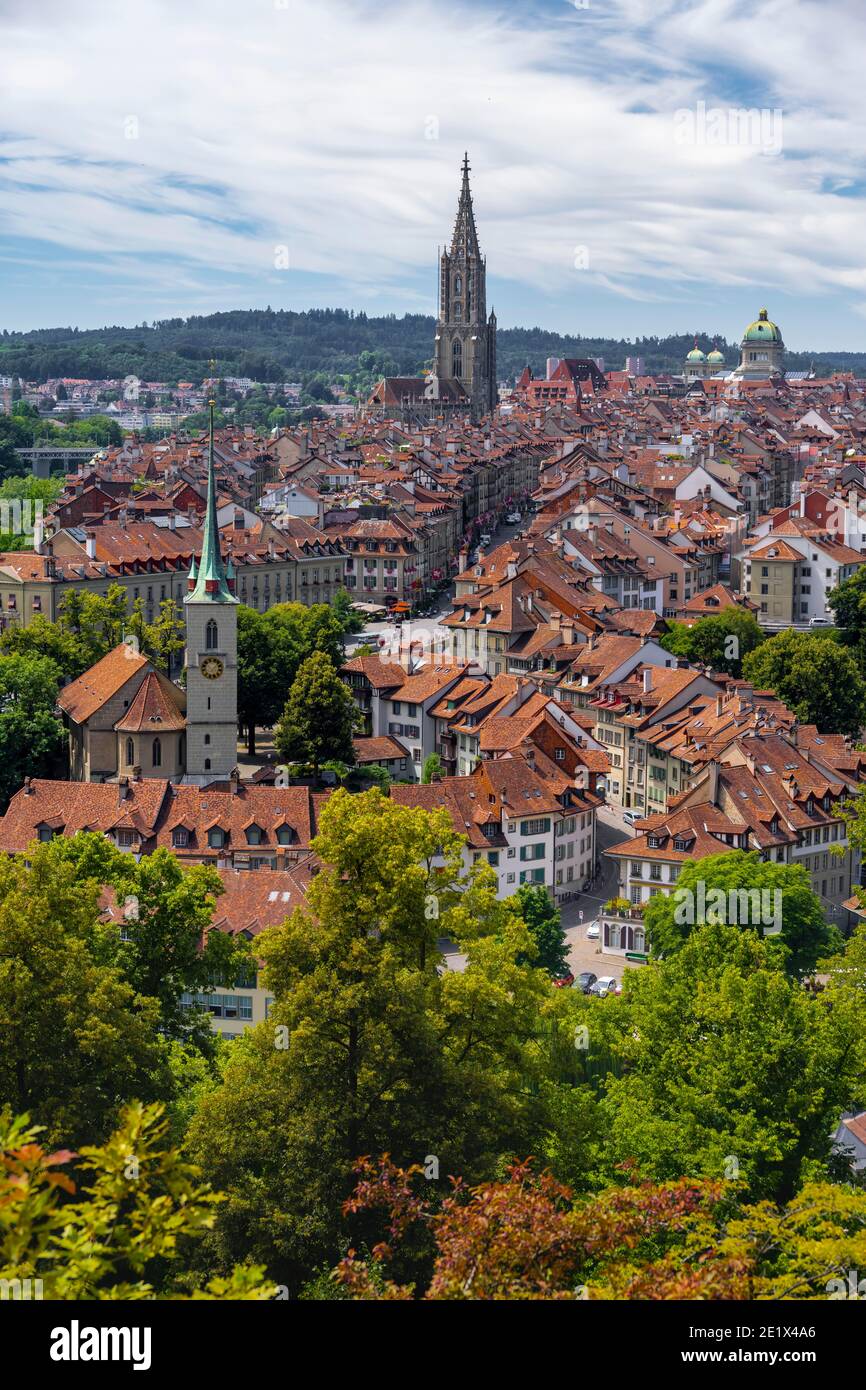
x,y
172,521
90,544
511,570
568,632
136,774
28,786
720,700
38,535
239,519
802,504
714,784
123,788
647,680
235,781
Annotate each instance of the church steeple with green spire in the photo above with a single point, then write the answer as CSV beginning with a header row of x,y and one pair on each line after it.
x,y
211,583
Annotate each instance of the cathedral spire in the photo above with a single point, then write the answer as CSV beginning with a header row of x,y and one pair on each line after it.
x,y
465,239
211,583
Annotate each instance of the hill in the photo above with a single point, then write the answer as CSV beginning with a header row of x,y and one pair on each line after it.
x,y
278,345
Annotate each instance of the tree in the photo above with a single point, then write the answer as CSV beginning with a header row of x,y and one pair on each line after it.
x,y
542,917
720,641
44,639
432,769
739,888
77,1037
116,1234
848,603
370,1044
271,648
319,718
814,676
344,611
526,1237
166,948
726,1068
32,738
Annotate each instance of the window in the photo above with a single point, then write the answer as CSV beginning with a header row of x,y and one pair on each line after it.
x,y
211,636
156,753
254,835
124,839
457,358
179,837
130,752
284,834
216,838
535,827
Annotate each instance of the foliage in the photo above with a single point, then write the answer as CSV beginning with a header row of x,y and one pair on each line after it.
x,y
271,648
370,1043
727,1067
432,769
76,1038
542,917
108,1238
805,934
709,642
319,718
525,1237
32,738
814,676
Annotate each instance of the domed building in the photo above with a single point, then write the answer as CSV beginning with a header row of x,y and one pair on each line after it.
x,y
762,351
716,360
696,364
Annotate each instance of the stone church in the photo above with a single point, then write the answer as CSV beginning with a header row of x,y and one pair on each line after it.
x,y
465,356
126,719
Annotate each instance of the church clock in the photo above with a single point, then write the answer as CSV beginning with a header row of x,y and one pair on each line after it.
x,y
212,668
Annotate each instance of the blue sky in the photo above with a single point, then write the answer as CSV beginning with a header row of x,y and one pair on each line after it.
x,y
639,166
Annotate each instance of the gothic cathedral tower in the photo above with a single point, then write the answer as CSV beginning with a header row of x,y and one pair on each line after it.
x,y
465,336
211,654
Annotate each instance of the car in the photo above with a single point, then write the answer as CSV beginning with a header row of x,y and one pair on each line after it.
x,y
592,932
630,817
513,518
484,540
585,981
564,981
603,986
820,622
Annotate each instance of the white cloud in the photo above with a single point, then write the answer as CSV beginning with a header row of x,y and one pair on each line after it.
x,y
259,126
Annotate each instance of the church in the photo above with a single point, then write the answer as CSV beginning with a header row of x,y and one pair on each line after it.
x,y
127,719
464,357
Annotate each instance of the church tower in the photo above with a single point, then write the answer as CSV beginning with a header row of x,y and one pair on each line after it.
x,y
465,337
211,653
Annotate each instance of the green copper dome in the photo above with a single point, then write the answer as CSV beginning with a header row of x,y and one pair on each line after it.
x,y
715,356
763,330
696,355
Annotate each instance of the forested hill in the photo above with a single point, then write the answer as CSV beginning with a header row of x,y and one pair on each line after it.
x,y
278,345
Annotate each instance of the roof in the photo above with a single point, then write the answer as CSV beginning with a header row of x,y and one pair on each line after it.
x,y
84,696
152,710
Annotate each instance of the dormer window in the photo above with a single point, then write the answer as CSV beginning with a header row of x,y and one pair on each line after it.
x,y
254,835
285,834
653,841
179,837
216,838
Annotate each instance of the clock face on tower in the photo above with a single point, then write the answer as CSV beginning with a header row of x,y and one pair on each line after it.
x,y
212,668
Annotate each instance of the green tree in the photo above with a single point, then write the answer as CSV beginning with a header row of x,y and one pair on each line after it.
x,y
44,639
344,611
319,718
814,676
77,1038
166,948
32,738
728,1068
848,603
721,641
271,648
542,917
370,1044
115,1236
432,769
738,888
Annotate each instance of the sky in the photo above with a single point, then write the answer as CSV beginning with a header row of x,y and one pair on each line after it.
x,y
638,166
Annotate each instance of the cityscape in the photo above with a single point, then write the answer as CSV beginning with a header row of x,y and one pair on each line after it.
x,y
433,769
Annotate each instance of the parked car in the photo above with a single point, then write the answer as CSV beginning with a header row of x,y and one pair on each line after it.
x,y
603,986
513,518
585,981
564,981
484,540
630,817
592,932
820,622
